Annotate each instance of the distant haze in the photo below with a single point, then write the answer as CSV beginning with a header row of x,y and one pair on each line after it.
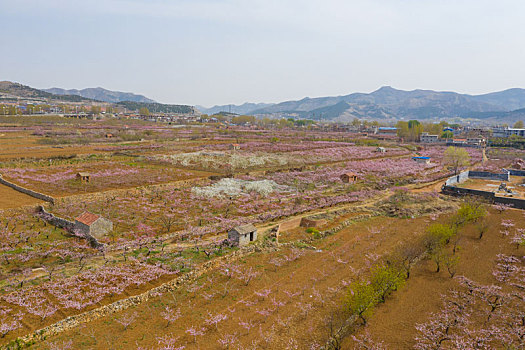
x,y
217,52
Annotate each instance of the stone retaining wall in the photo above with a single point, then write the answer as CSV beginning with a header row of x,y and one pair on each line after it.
x,y
55,220
27,191
290,224
345,224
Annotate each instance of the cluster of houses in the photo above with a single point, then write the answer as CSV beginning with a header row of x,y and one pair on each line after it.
x,y
479,141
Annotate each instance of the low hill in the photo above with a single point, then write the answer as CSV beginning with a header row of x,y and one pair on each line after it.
x,y
238,109
24,91
102,94
157,107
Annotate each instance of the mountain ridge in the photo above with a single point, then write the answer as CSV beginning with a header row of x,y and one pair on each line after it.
x,y
390,103
101,94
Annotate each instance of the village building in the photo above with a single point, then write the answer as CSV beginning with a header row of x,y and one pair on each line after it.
x,y
235,146
242,235
476,141
348,177
457,142
507,132
92,224
109,136
422,160
381,149
427,138
83,176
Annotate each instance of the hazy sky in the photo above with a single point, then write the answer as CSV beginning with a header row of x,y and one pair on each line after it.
x,y
231,51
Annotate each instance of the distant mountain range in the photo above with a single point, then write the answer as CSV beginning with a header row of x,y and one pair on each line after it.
x,y
388,103
101,94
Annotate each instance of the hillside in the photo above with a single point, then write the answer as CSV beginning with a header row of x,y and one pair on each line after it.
x,y
510,99
18,90
101,94
392,104
156,107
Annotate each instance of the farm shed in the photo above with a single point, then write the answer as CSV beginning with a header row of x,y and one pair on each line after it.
x,y
348,177
381,149
422,160
235,146
83,176
242,235
93,224
109,136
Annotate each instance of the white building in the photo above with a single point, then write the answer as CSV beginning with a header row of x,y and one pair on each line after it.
x,y
507,132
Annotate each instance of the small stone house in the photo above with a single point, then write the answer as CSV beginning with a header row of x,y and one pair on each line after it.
x,y
381,149
109,136
83,176
242,235
348,177
93,224
235,146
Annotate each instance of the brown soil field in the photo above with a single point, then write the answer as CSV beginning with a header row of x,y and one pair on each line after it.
x,y
16,145
393,322
10,198
316,279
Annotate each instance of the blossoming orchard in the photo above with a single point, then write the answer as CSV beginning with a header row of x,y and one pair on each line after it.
x,y
126,234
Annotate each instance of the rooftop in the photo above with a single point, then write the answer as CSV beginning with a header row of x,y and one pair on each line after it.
x,y
387,128
87,218
245,229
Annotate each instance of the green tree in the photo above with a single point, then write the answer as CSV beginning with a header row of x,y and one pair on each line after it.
x,y
95,109
470,211
409,131
386,279
447,134
441,233
518,124
143,111
413,124
360,299
456,158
